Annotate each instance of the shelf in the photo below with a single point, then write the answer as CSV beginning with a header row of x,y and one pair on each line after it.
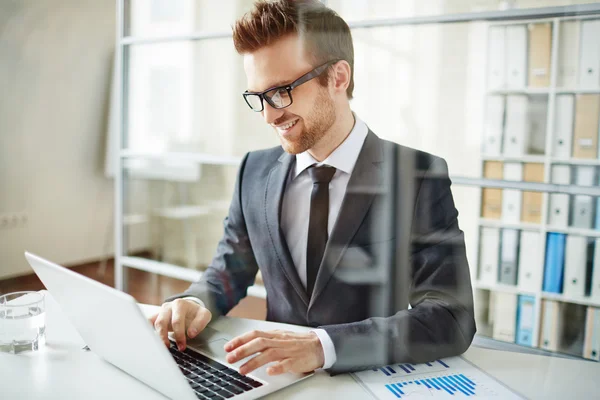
x,y
500,287
573,231
585,300
175,271
496,223
577,90
526,90
527,158
178,157
575,161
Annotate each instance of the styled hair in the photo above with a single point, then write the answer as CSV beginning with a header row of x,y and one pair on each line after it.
x,y
325,35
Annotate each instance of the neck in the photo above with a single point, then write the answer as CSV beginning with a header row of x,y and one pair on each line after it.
x,y
338,132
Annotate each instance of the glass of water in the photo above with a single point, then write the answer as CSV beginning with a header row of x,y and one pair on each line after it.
x,y
22,322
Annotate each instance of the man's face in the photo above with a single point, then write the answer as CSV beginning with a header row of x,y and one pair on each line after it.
x,y
302,124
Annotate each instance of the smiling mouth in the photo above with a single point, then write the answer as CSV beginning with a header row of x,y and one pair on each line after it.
x,y
288,126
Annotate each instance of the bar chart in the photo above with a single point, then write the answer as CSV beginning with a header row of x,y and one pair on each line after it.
x,y
448,378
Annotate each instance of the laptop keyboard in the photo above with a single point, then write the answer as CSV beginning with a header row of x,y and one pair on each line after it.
x,y
209,378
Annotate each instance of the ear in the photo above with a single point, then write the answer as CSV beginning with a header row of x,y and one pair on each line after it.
x,y
340,74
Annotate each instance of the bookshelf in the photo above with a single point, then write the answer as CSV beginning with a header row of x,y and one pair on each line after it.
x,y
538,64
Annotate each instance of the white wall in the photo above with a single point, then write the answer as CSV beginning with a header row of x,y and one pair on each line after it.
x,y
55,59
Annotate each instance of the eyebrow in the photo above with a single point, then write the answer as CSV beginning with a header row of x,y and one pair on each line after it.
x,y
274,85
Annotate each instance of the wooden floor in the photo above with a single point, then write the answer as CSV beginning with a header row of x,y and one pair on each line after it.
x,y
145,287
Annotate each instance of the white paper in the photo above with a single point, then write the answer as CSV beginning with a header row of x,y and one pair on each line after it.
x,y
447,378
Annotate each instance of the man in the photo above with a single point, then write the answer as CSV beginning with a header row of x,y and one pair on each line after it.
x,y
347,229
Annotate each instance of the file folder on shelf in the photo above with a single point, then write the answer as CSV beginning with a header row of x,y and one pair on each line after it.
x,y
505,317
494,123
516,56
512,198
540,45
575,266
515,141
530,267
554,266
525,320
532,201
563,127
537,115
589,56
491,205
558,208
595,287
509,248
568,54
591,347
583,205
552,325
497,60
587,112
489,251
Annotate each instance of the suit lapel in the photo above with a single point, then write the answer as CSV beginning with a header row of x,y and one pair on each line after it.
x,y
274,191
357,200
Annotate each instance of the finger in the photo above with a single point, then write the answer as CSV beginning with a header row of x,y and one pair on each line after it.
x,y
245,338
280,367
203,317
178,324
152,319
255,346
161,324
263,358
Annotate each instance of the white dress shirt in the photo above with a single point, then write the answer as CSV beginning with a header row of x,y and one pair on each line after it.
x,y
295,211
296,208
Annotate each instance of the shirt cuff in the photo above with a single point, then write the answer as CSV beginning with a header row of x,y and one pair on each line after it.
x,y
328,348
197,300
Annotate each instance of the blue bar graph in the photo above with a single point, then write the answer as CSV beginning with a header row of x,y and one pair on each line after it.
x,y
443,363
391,370
451,384
404,368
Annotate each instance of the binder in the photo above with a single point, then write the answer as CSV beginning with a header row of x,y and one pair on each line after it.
x,y
516,56
489,255
558,209
582,212
554,267
591,346
540,45
532,201
505,317
575,266
515,141
585,140
496,60
494,123
511,198
589,56
491,206
530,266
509,249
552,325
595,286
563,126
525,320
537,110
568,54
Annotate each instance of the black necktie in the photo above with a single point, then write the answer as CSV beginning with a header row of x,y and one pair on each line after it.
x,y
317,224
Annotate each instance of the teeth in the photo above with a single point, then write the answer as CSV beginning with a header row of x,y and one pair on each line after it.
x,y
287,126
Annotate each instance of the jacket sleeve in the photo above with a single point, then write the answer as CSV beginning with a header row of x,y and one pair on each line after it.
x,y
233,268
441,321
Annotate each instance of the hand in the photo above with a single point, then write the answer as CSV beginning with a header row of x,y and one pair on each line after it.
x,y
292,352
179,316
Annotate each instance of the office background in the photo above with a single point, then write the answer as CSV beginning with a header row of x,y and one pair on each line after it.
x,y
481,94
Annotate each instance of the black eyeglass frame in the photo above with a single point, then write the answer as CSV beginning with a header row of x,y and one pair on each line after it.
x,y
303,79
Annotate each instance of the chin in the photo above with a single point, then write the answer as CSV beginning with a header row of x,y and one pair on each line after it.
x,y
292,147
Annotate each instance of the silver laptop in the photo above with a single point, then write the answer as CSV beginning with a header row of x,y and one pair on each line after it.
x,y
113,327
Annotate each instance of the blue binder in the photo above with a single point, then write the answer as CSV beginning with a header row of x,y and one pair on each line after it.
x,y
525,320
555,261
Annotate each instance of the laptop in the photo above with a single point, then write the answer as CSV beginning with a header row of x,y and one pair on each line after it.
x,y
113,326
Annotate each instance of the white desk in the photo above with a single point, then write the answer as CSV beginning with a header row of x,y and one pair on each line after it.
x,y
63,371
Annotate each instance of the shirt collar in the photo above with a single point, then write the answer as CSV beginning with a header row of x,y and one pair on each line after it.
x,y
344,157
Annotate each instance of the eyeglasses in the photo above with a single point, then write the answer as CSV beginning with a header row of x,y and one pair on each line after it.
x,y
281,96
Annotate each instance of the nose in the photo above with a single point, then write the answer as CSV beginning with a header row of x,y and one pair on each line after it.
x,y
271,114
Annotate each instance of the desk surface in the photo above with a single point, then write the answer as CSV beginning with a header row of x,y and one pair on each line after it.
x,y
63,371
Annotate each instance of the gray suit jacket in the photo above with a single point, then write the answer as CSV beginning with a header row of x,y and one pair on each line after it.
x,y
396,242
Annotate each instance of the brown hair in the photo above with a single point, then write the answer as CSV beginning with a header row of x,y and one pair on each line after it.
x,y
326,34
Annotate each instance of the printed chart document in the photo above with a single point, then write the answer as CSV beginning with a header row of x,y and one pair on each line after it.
x,y
448,378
